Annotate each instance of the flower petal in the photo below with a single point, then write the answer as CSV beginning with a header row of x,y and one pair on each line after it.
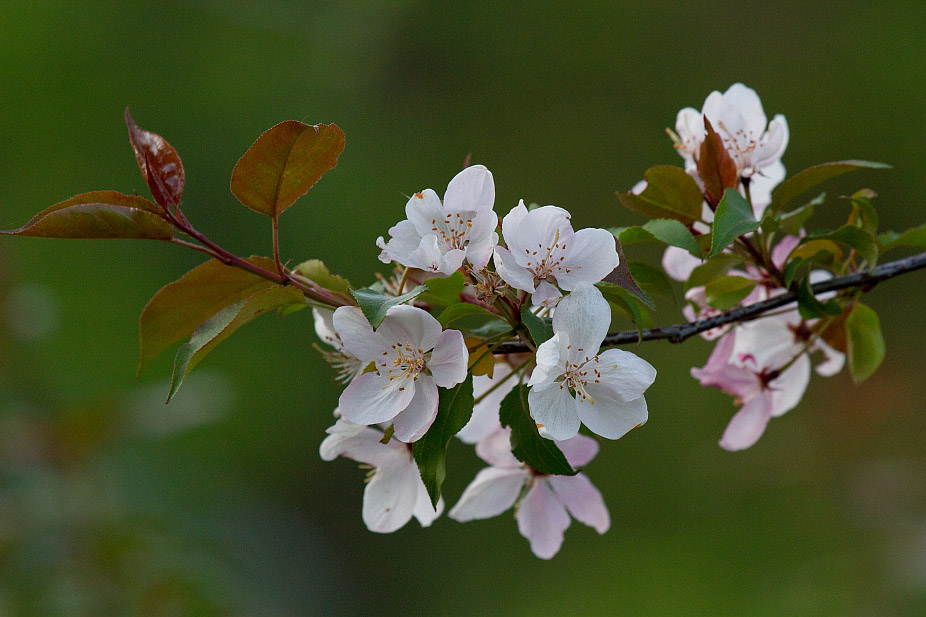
x,y
485,413
471,189
609,417
585,316
357,334
679,263
542,519
583,501
511,272
449,359
590,255
427,256
404,239
551,361
371,398
424,511
495,449
423,211
493,491
579,450
410,324
789,387
390,496
414,421
554,411
546,294
356,442
624,374
748,424
512,225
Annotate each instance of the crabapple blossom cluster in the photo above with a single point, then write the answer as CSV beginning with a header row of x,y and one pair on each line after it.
x,y
497,336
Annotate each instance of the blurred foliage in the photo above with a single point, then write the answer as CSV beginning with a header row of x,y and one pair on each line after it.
x,y
112,503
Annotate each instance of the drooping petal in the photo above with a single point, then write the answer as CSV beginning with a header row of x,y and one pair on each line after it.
x,y
449,359
357,334
427,256
789,387
324,327
495,449
773,144
719,373
356,442
579,450
554,411
414,421
748,424
834,360
390,496
610,417
372,398
590,255
493,491
583,501
410,324
542,519
471,189
511,272
585,316
424,511
624,374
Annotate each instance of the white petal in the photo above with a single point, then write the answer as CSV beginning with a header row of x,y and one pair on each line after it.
x,y
424,511
583,501
471,189
410,324
789,387
679,263
542,519
773,145
624,374
766,343
495,449
357,334
511,230
493,491
427,256
451,261
324,327
585,316
449,359
485,413
404,239
423,211
546,294
371,398
579,450
743,102
748,424
554,411
511,272
414,421
356,442
390,496
551,361
834,361
589,255
610,417
541,229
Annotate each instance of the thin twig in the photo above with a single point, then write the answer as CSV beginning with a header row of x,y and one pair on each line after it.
x,y
679,332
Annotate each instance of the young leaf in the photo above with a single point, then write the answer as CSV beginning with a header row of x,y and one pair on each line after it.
x,y
864,342
733,219
99,215
653,280
444,290
159,163
526,443
316,271
668,231
221,325
914,237
851,236
863,213
541,328
180,307
284,163
712,269
715,166
797,184
670,193
810,307
454,409
792,222
481,360
728,291
630,304
374,305
461,310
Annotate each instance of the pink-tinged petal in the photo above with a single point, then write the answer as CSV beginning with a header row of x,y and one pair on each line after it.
x,y
511,272
390,496
551,360
742,109
585,316
624,374
356,442
609,417
748,424
427,256
494,490
495,449
546,294
679,263
471,189
765,344
423,211
404,240
554,411
449,359
583,501
773,144
833,362
414,421
783,249
424,511
371,398
542,519
451,261
410,324
589,256
579,450
484,420
789,387
357,334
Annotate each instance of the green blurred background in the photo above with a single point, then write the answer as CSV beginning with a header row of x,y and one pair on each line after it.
x,y
112,503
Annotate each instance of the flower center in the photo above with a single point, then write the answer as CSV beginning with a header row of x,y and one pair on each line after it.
x,y
407,362
576,377
453,229
544,262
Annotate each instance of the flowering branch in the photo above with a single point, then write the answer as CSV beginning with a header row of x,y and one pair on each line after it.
x,y
678,333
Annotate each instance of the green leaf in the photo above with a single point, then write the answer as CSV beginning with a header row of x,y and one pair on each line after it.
x,y
454,409
284,163
851,236
374,305
316,271
221,325
796,185
667,231
99,215
864,342
444,290
728,291
159,163
653,280
733,218
526,443
915,237
541,328
180,307
712,269
455,314
810,307
670,193
629,303
792,222
623,278
863,214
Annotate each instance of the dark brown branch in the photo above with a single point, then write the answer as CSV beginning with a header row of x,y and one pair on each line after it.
x,y
679,332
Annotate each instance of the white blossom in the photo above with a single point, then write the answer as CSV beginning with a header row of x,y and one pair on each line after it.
x,y
573,383
545,253
438,237
347,366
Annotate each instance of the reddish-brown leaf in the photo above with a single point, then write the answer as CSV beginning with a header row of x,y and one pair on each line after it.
x,y
284,163
159,163
715,166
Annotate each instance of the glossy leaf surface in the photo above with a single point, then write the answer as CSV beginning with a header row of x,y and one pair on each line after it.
x,y
670,194
159,163
733,218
